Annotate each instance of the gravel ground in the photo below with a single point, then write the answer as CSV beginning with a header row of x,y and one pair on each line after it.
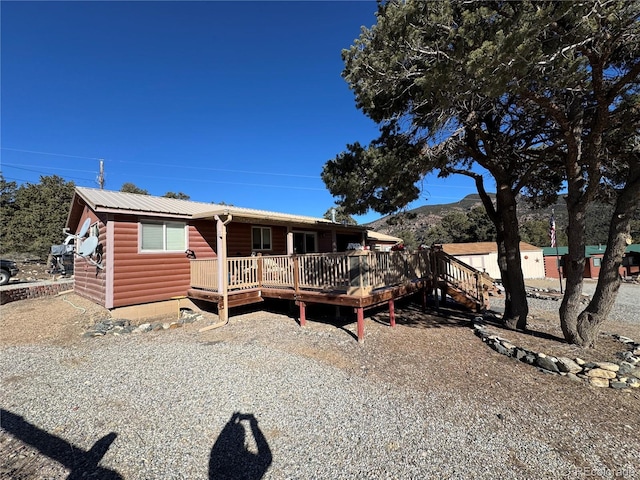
x,y
164,405
167,402
626,308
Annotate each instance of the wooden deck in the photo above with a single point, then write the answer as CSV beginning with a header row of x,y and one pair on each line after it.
x,y
357,279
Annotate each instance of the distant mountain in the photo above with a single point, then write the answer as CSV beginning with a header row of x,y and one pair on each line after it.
x,y
419,221
425,216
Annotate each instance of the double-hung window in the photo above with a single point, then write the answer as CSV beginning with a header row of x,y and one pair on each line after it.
x,y
162,237
261,238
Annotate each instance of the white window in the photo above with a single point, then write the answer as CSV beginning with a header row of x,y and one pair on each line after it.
x,y
261,238
305,242
163,237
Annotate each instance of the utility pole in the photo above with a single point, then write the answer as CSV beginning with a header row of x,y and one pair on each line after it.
x,y
101,175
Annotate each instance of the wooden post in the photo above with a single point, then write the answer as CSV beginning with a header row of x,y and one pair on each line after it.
x,y
303,313
360,314
259,273
296,274
424,299
392,313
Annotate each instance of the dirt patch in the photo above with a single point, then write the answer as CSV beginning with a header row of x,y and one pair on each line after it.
x,y
58,320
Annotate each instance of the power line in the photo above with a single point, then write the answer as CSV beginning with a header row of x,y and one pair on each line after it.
x,y
40,172
219,169
13,165
129,162
47,153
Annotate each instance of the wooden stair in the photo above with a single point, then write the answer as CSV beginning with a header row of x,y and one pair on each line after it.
x,y
460,296
463,283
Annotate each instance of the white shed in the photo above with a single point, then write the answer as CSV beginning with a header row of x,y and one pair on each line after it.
x,y
484,257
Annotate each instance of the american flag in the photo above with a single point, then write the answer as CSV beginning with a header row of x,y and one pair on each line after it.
x,y
552,229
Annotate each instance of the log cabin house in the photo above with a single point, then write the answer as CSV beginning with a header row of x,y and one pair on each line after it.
x,y
155,255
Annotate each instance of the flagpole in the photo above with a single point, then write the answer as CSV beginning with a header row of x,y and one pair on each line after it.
x,y
554,239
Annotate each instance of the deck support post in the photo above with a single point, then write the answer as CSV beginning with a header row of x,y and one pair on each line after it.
x,y
424,299
360,315
303,313
392,313
223,268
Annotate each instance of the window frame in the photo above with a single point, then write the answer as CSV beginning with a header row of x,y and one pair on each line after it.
x,y
164,224
262,243
306,233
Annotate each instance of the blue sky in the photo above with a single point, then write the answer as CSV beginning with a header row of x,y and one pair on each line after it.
x,y
240,102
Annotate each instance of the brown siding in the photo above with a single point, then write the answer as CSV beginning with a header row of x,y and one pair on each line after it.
x,y
325,242
202,238
239,240
146,277
90,281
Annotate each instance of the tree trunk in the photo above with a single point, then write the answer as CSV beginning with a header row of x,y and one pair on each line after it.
x,y
574,271
516,307
590,319
504,217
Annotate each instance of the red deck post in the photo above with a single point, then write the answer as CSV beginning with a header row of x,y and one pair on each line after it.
x,y
392,313
360,313
303,313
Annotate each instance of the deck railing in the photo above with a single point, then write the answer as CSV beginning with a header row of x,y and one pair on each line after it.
x,y
204,273
354,273
315,271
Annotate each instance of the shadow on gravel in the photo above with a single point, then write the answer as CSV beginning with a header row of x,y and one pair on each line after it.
x,y
81,463
495,322
238,456
409,313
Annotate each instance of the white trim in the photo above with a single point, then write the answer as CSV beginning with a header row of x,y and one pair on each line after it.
x,y
108,289
164,223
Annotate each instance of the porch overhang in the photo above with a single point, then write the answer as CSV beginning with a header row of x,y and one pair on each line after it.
x,y
254,216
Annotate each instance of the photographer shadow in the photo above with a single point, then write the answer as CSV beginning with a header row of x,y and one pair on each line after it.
x,y
81,463
234,456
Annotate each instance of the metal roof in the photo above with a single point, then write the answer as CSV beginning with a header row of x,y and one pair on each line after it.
x,y
589,250
121,202
110,201
479,248
382,237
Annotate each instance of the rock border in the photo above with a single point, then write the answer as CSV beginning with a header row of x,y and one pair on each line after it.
x,y
117,327
620,376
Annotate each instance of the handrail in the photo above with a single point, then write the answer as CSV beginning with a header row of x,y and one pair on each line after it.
x,y
352,272
458,274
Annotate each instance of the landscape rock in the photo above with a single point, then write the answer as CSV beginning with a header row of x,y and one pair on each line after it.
x,y
574,377
547,363
618,385
599,382
601,373
567,365
613,367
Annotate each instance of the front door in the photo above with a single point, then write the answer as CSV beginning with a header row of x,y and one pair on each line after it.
x,y
305,242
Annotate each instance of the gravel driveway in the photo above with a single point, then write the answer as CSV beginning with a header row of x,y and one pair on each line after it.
x,y
164,405
168,402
